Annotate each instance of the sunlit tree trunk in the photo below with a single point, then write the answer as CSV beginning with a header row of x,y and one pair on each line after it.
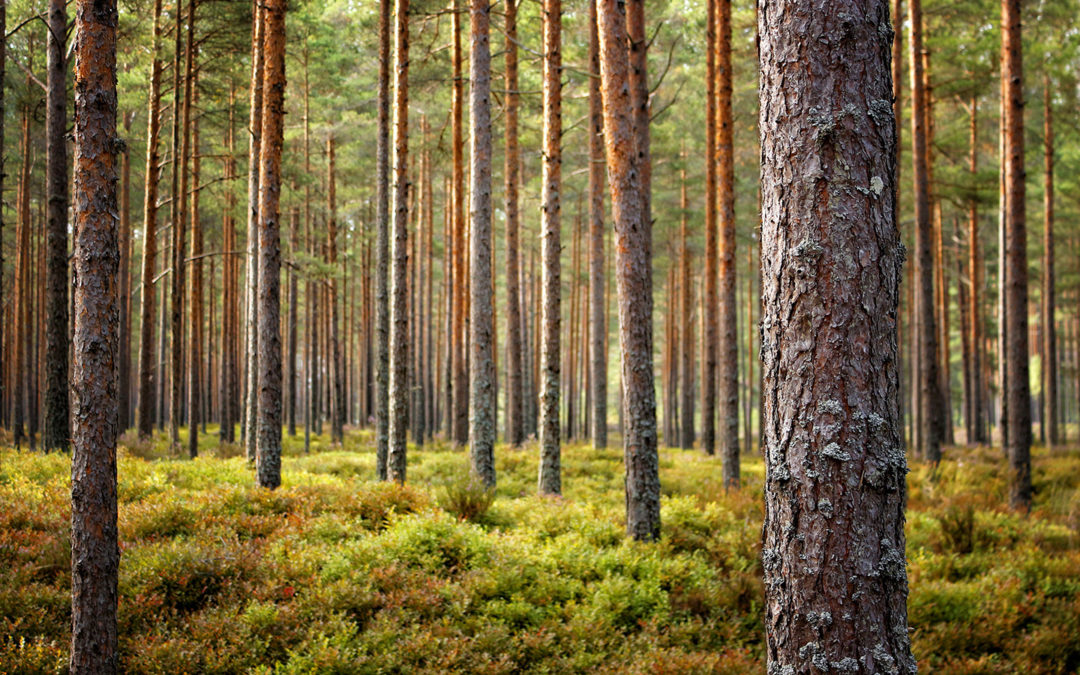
x,y
975,277
711,298
728,345
1049,328
56,428
95,552
230,302
633,266
268,446
195,331
399,320
835,464
337,375
598,321
550,479
460,413
258,53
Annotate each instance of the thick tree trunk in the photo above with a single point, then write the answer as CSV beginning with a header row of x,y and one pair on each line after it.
x,y
382,247
95,551
550,479
633,268
728,345
1018,393
337,368
268,446
1049,329
481,322
835,465
230,300
56,429
399,320
931,398
598,321
258,53
514,389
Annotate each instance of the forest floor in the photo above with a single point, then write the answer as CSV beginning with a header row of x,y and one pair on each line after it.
x,y
335,573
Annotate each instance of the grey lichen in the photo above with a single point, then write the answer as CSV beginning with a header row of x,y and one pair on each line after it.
x,y
884,660
819,619
892,564
881,110
877,185
808,248
826,508
831,407
845,665
834,451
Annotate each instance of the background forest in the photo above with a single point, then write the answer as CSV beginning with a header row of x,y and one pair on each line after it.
x,y
337,573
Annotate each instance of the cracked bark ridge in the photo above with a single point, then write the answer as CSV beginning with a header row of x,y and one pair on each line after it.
x,y
95,553
258,54
382,248
515,404
833,553
598,329
268,441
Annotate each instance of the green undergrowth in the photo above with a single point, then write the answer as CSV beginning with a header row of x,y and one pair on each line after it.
x,y
335,573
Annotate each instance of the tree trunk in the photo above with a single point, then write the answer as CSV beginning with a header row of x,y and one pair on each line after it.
x,y
1016,356
4,365
230,301
56,428
337,374
382,248
728,408
124,367
195,327
835,465
19,379
1049,355
268,446
975,320
931,396
399,320
633,236
550,479
460,413
258,54
687,360
514,368
482,398
95,552
293,318
711,299
598,322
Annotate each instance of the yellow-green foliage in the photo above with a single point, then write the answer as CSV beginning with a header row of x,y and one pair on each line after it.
x,y
335,573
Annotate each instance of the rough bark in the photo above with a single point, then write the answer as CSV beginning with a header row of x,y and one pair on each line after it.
x,y
1049,329
1016,275
268,445
481,321
633,271
382,247
833,555
399,320
123,414
550,478
515,409
252,281
3,355
728,336
19,380
931,399
598,332
55,431
291,327
230,300
95,552
711,299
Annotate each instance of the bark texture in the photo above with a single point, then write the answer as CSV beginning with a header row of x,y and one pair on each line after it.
x,y
55,431
1018,393
550,479
633,272
481,319
95,551
711,299
258,52
833,554
382,248
337,366
399,317
1049,328
268,444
